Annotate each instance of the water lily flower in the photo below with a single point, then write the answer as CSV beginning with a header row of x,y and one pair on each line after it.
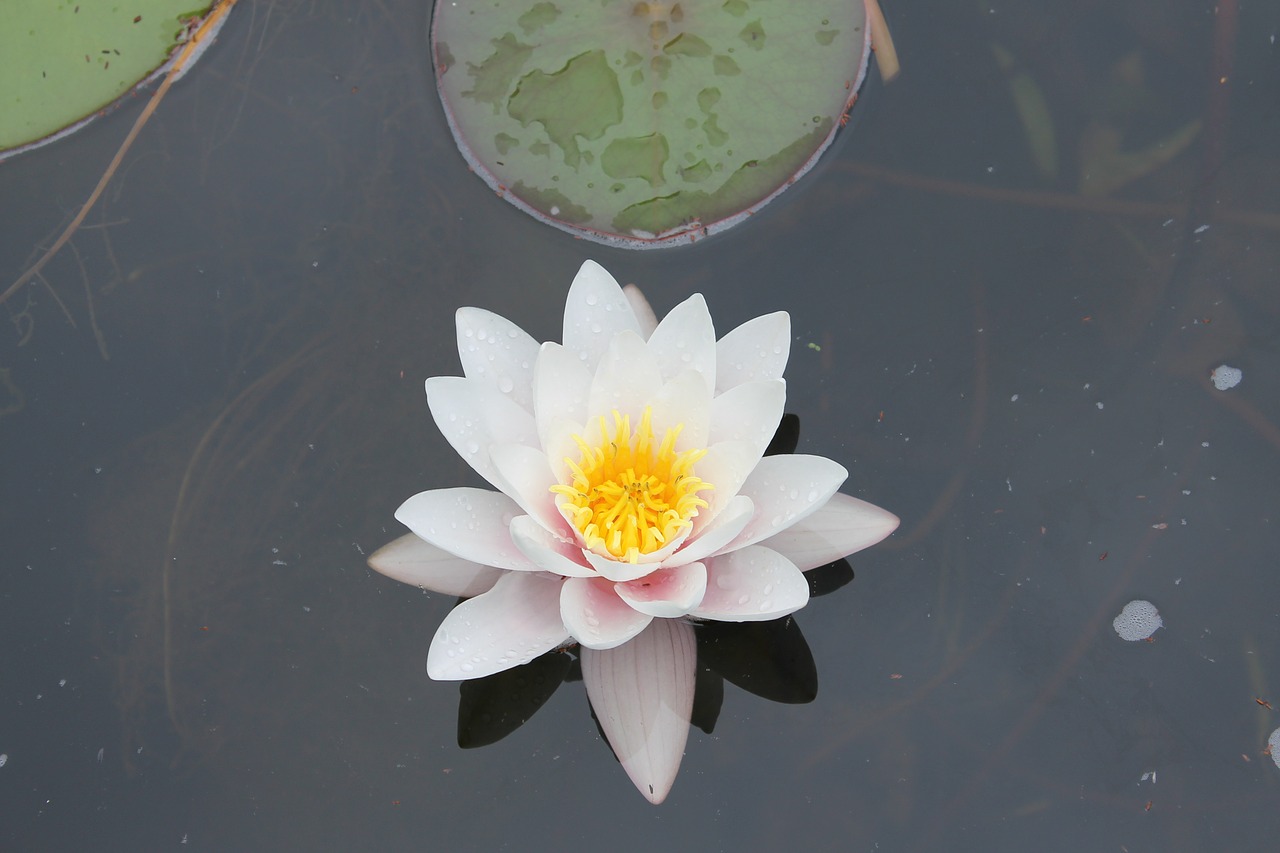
x,y
633,497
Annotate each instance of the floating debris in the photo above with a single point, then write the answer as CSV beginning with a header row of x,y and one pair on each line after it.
x,y
1225,377
1138,621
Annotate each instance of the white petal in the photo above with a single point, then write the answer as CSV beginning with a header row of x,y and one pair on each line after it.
x,y
751,585
686,340
756,350
683,400
561,385
786,489
509,625
643,310
718,533
594,311
726,467
497,352
642,694
840,527
595,616
470,523
546,551
626,380
527,477
473,416
749,412
412,561
666,593
617,570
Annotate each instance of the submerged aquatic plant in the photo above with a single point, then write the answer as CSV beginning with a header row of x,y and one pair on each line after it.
x,y
633,497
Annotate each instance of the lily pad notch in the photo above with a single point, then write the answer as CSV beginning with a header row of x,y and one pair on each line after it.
x,y
644,124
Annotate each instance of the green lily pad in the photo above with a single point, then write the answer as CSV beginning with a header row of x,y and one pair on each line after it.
x,y
62,62
644,124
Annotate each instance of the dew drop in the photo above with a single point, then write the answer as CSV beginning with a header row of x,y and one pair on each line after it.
x,y
592,299
466,667
744,598
473,447
506,385
813,495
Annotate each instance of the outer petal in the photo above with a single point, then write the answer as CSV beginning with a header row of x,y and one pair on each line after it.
x,y
497,352
758,349
549,553
509,625
626,380
840,527
594,311
474,416
471,523
643,310
686,340
642,694
667,593
561,385
413,561
749,412
786,489
752,585
595,616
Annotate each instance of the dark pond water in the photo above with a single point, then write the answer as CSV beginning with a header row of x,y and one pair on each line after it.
x,y
213,405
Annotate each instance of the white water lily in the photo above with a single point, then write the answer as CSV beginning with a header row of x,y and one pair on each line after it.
x,y
633,496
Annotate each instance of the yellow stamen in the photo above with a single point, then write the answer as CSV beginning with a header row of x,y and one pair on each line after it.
x,y
625,497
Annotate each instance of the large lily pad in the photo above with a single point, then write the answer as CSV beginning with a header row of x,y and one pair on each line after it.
x,y
64,61
644,124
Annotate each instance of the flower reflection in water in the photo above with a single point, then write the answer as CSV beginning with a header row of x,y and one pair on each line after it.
x,y
635,497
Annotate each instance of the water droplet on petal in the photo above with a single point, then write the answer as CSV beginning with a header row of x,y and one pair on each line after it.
x,y
592,299
466,667
473,447
505,385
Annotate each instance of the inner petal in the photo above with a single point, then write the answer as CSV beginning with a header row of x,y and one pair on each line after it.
x,y
628,494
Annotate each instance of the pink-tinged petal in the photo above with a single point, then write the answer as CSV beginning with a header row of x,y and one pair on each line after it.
x,y
611,568
470,523
527,477
561,384
421,564
667,593
683,400
751,585
626,380
509,625
643,310
595,616
758,349
717,534
595,310
786,489
642,694
842,526
686,340
749,412
473,417
726,467
548,552
497,352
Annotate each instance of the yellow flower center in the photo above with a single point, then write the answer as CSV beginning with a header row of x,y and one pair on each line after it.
x,y
629,495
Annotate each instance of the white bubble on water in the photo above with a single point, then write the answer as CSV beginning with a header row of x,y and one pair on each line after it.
x,y
1137,621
